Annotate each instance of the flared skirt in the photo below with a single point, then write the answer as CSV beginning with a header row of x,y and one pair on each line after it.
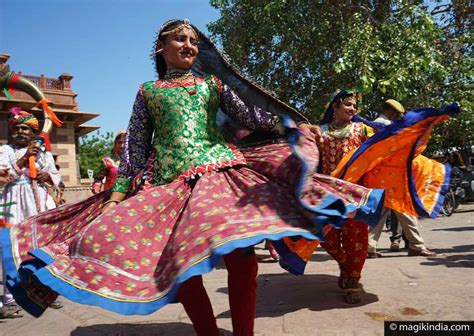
x,y
132,259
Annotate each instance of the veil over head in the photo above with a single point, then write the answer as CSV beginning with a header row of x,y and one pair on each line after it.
x,y
213,61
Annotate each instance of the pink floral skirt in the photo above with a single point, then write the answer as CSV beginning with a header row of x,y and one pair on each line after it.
x,y
132,259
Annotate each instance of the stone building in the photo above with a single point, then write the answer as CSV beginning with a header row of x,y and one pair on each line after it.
x,y
64,140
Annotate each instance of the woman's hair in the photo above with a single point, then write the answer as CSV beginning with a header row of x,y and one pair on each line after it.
x,y
337,98
166,29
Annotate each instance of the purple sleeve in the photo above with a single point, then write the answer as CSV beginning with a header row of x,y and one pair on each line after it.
x,y
138,140
249,116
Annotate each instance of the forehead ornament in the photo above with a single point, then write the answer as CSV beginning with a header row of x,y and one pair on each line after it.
x,y
186,24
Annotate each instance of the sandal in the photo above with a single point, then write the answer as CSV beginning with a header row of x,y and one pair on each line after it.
x,y
352,290
10,311
56,305
13,307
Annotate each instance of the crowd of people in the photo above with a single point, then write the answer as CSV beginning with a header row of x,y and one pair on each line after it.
x,y
175,198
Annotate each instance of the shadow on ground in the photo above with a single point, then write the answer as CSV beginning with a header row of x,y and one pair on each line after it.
x,y
149,329
456,229
463,210
279,294
462,256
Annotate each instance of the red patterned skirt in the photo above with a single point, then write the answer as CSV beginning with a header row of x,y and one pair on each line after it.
x,y
132,259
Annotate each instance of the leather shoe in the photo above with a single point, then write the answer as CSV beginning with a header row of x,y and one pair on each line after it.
x,y
373,255
395,246
421,253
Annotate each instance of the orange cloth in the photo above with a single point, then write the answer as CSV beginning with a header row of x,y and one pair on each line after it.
x,y
302,247
384,165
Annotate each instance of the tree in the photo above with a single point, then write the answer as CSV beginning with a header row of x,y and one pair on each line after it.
x,y
91,151
304,49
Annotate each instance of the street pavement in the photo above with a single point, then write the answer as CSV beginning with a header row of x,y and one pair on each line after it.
x,y
397,287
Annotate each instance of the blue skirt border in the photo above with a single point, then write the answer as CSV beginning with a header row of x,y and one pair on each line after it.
x,y
330,211
38,269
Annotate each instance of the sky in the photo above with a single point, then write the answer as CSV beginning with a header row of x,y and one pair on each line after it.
x,y
104,44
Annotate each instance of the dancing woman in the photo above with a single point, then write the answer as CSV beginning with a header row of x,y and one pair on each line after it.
x,y
375,156
337,136
183,200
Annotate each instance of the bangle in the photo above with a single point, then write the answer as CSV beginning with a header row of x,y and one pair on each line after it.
x,y
109,201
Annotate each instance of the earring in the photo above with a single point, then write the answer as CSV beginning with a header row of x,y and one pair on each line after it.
x,y
159,51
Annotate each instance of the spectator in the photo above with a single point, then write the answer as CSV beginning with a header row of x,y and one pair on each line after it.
x,y
391,111
26,196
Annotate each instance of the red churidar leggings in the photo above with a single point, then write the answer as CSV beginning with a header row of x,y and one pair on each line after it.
x,y
242,271
349,247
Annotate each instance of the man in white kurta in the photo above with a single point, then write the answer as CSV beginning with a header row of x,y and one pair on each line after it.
x,y
20,189
29,198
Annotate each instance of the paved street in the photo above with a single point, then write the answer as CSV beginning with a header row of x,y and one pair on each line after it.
x,y
397,288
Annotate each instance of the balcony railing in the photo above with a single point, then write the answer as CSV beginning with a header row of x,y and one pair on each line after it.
x,y
62,83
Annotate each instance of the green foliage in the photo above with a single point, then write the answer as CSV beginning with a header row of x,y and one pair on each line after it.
x,y
91,151
303,50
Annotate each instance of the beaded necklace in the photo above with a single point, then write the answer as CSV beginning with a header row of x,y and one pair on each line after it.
x,y
180,76
339,132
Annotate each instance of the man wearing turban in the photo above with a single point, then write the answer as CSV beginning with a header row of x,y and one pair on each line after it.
x,y
30,196
391,111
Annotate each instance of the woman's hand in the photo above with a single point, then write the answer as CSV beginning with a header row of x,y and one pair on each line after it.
x,y
316,130
107,207
96,187
115,198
